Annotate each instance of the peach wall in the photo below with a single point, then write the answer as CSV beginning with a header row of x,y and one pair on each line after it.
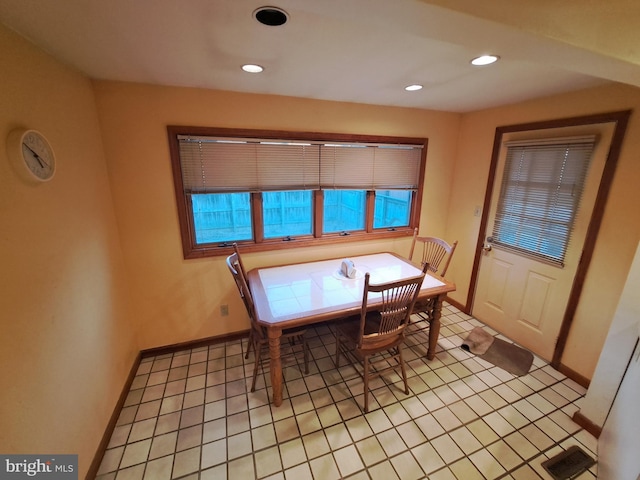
x,y
620,229
178,300
67,344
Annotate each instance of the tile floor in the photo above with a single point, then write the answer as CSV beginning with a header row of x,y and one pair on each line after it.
x,y
190,415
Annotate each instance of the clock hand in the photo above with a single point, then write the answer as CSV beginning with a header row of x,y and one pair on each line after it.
x,y
40,160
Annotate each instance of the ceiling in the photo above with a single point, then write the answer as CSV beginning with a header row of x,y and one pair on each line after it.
x,y
363,51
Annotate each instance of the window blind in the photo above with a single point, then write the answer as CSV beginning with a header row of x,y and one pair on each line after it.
x,y
370,167
540,194
211,164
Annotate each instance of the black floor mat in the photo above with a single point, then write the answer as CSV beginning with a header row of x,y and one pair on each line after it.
x,y
567,464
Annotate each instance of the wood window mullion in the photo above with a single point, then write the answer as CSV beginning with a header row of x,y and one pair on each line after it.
x,y
318,212
257,217
371,203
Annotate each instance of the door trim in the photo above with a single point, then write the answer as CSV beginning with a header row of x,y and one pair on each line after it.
x,y
620,118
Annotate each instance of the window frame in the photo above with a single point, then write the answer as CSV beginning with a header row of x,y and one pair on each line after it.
x,y
185,212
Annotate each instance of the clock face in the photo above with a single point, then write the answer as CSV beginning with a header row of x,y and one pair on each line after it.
x,y
38,155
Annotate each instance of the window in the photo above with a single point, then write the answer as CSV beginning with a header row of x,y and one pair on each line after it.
x,y
287,213
265,188
392,208
221,217
344,210
540,195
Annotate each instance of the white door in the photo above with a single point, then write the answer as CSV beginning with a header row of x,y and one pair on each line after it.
x,y
521,296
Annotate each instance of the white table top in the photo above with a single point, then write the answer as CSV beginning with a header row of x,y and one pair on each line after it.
x,y
308,289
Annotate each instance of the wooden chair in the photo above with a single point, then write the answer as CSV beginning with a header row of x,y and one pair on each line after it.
x,y
243,272
434,251
257,336
380,331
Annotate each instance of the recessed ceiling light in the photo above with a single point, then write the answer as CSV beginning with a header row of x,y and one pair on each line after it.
x,y
252,68
413,88
271,16
485,60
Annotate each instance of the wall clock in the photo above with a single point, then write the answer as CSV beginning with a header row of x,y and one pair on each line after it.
x,y
31,154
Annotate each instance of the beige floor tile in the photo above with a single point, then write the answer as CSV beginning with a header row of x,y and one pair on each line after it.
x,y
214,453
359,428
407,467
427,457
292,453
186,462
163,445
268,462
443,474
316,444
241,468
348,460
487,464
383,471
371,451
411,434
159,469
467,442
338,436
239,445
238,423
518,442
464,469
135,453
111,460
189,437
264,436
447,448
301,472
325,467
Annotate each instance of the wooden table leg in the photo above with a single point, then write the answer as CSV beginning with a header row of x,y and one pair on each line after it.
x,y
275,364
434,327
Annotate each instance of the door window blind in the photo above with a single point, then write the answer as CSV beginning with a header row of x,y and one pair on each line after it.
x,y
211,165
540,194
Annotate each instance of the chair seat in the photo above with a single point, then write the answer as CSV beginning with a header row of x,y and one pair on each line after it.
x,y
350,330
425,311
294,331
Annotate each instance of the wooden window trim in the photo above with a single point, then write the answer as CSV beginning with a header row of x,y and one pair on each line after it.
x,y
259,243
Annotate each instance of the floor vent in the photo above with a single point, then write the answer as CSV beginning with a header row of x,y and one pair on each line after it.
x,y
568,464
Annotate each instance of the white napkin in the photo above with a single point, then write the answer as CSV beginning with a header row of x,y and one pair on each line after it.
x,y
348,269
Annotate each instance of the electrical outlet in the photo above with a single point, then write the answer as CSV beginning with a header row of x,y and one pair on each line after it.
x,y
224,310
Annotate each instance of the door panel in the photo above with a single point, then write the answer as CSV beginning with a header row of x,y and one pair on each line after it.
x,y
536,293
520,296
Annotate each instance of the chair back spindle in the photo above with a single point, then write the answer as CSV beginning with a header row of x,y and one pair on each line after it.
x,y
434,252
389,319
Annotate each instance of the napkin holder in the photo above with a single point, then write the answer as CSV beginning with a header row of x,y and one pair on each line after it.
x,y
348,269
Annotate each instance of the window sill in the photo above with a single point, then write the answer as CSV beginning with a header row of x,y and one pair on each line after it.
x,y
213,250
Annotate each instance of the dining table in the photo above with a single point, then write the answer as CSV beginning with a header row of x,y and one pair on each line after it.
x,y
307,293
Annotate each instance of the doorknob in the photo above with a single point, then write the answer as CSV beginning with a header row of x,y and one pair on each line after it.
x,y
486,246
